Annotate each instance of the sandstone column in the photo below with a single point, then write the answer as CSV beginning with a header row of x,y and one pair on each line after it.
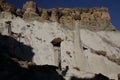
x,y
8,26
57,51
57,55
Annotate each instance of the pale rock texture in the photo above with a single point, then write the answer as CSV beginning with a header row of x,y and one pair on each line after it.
x,y
93,18
19,12
99,41
30,11
82,42
96,47
54,15
30,6
44,14
67,21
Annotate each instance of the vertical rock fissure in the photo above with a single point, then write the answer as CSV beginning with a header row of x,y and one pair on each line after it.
x,y
79,56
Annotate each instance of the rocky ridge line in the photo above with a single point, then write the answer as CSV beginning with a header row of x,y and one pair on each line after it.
x,y
94,19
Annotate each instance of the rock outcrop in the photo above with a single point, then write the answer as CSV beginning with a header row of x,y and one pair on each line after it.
x,y
30,6
53,44
30,10
95,19
19,12
7,7
79,41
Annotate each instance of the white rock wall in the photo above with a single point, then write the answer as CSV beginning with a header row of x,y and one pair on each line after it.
x,y
39,35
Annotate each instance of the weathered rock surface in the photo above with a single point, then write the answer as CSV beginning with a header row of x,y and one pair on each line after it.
x,y
8,7
30,10
30,6
80,41
19,12
94,19
44,36
54,15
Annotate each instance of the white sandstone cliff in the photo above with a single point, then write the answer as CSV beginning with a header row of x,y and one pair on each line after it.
x,y
99,50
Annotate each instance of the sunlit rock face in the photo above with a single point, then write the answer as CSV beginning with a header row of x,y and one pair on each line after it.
x,y
53,44
81,42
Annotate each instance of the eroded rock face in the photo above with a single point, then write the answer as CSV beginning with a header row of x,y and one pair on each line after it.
x,y
38,42
54,15
19,12
30,11
68,21
95,18
53,44
8,7
44,14
30,6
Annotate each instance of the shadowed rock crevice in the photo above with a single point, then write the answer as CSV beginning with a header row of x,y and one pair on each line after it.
x,y
11,47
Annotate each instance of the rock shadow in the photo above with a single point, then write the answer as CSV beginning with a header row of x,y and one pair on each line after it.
x,y
45,72
11,70
13,48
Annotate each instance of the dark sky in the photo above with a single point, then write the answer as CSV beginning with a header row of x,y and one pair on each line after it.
x,y
112,5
